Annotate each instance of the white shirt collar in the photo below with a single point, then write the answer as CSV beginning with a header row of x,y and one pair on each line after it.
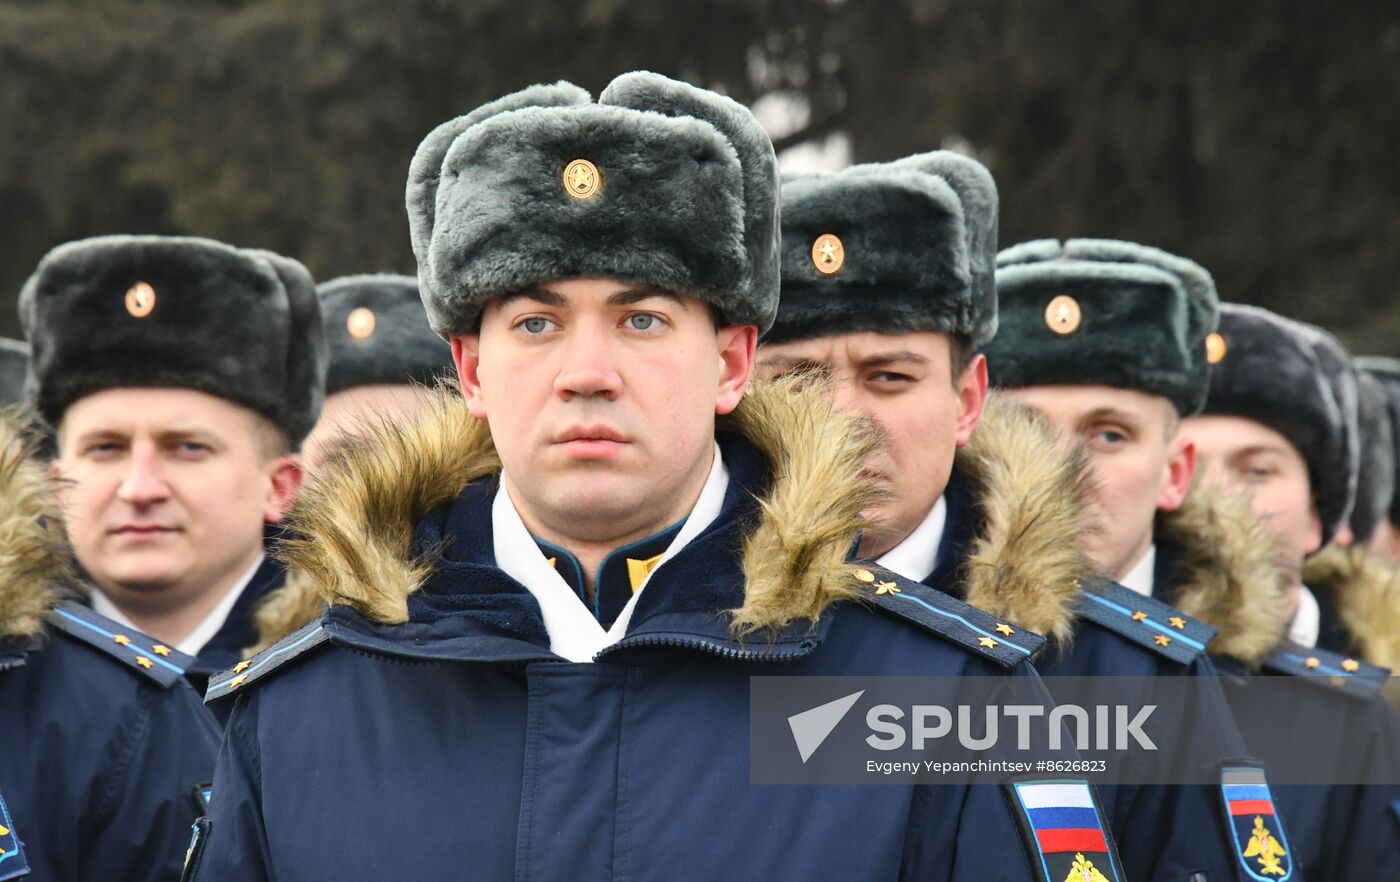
x,y
1140,577
197,639
574,633
1306,623
917,556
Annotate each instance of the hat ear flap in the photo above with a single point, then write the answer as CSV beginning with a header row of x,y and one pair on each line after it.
x,y
307,357
758,163
977,192
425,170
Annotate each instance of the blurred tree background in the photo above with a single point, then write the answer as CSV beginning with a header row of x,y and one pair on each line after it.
x,y
1258,138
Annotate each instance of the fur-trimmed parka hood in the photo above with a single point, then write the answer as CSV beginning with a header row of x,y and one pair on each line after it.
x,y
1366,593
1223,572
356,518
1022,567
34,562
1026,564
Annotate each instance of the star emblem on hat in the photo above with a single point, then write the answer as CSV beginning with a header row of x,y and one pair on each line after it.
x,y
1215,348
1063,315
360,323
828,254
140,299
582,180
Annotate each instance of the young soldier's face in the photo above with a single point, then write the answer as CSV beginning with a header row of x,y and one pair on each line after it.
x,y
1253,456
350,412
165,492
1139,463
903,385
601,397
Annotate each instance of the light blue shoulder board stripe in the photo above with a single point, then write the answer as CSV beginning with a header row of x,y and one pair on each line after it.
x,y
980,632
246,673
1329,670
136,651
1146,621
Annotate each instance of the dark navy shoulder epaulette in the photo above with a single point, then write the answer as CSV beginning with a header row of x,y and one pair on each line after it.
x,y
946,616
1146,621
142,654
1329,670
244,674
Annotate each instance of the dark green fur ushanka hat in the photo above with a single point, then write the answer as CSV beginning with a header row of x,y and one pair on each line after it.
x,y
1387,371
379,334
1298,381
657,183
1375,485
891,247
1100,312
163,312
14,365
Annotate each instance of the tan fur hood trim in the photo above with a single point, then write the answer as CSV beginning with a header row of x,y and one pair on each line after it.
x,y
1367,594
358,514
33,557
1225,574
1027,561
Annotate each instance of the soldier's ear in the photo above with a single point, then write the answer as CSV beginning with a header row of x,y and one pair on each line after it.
x,y
466,355
286,479
1181,469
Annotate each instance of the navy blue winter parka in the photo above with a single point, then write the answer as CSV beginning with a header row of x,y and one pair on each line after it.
x,y
422,729
105,750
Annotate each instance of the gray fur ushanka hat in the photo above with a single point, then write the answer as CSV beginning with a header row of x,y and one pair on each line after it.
x,y
14,365
169,312
379,334
1375,485
892,247
1100,312
658,183
1387,372
1298,381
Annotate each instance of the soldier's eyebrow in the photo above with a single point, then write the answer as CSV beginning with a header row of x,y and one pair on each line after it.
x,y
1100,414
542,296
646,292
900,356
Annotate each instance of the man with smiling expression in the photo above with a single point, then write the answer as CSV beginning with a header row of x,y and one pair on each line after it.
x,y
547,597
977,502
179,374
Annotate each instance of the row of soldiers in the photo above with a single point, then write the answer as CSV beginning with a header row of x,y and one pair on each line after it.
x,y
258,573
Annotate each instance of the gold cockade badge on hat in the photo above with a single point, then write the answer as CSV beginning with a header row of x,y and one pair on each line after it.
x,y
360,322
140,299
582,180
828,254
1216,348
1062,315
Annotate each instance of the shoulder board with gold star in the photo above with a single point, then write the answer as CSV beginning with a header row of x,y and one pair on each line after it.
x,y
1146,621
134,650
1328,670
950,618
249,671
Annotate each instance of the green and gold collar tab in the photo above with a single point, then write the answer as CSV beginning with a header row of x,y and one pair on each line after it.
x,y
622,574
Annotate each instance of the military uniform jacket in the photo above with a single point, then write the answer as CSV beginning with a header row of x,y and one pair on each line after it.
x,y
1215,562
455,743
103,745
1013,497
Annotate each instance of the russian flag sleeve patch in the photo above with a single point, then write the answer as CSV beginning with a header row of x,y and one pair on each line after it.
x,y
1066,837
1261,845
